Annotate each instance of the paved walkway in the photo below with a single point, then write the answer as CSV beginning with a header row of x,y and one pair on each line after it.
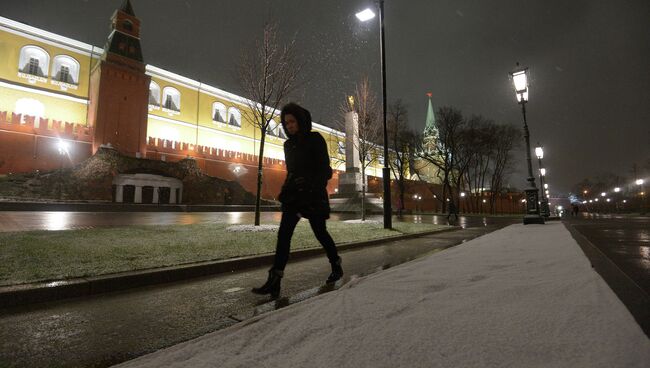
x,y
523,296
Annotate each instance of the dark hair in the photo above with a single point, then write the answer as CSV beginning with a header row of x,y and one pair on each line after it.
x,y
301,114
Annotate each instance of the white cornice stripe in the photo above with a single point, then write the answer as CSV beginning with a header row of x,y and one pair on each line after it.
x,y
44,93
178,122
47,37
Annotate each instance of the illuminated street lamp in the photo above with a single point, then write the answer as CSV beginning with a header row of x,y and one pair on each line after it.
x,y
365,16
519,78
544,210
639,182
603,194
617,189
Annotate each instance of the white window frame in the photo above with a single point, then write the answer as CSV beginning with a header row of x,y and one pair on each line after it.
x,y
73,68
222,110
233,111
155,87
31,51
176,100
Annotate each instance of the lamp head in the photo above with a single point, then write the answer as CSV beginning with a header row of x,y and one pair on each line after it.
x,y
519,77
365,15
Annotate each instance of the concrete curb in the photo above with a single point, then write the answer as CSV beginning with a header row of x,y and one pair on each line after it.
x,y
56,290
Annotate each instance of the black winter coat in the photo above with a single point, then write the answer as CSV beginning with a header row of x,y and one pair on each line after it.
x,y
308,170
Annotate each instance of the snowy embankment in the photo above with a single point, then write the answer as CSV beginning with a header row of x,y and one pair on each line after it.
x,y
518,297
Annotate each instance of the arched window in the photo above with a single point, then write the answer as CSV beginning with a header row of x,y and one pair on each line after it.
x,y
219,112
341,148
234,117
171,99
272,128
280,131
154,94
34,61
66,69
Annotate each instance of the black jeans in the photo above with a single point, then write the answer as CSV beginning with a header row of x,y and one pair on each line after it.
x,y
288,225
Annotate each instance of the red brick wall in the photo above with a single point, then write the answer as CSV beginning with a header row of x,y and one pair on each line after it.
x,y
119,108
25,148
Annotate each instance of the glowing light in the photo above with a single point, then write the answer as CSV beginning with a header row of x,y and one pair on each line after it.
x,y
596,199
419,197
462,194
62,146
484,201
542,171
560,208
603,194
523,96
415,196
617,189
607,199
591,201
520,79
365,15
584,202
57,221
545,186
584,192
625,201
539,152
639,182
523,201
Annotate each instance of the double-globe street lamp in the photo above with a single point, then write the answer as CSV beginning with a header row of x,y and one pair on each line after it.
x,y
520,80
364,16
539,152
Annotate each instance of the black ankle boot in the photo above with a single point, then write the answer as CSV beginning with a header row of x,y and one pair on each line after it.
x,y
272,285
337,272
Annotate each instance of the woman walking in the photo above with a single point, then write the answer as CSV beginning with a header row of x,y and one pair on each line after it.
x,y
303,194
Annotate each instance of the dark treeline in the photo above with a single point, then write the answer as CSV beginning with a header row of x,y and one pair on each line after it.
x,y
471,155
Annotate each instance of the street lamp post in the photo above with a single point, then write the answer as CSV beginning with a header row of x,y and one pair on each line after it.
x,y
640,183
520,79
539,152
363,16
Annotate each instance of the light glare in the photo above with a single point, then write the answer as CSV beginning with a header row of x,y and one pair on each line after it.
x,y
365,15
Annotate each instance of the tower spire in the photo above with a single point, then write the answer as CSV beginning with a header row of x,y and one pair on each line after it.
x,y
430,128
127,8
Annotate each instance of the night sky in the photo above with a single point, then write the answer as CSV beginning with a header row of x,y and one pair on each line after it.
x,y
589,59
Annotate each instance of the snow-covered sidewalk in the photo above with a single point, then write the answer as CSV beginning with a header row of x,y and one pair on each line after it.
x,y
523,296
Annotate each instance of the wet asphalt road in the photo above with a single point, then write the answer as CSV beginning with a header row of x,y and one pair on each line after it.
x,y
624,240
57,220
107,329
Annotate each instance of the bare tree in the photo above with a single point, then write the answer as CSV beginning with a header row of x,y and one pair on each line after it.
x,y
268,73
369,131
507,138
401,142
442,148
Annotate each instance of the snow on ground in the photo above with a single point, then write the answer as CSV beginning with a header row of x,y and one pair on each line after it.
x,y
518,297
359,221
252,228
